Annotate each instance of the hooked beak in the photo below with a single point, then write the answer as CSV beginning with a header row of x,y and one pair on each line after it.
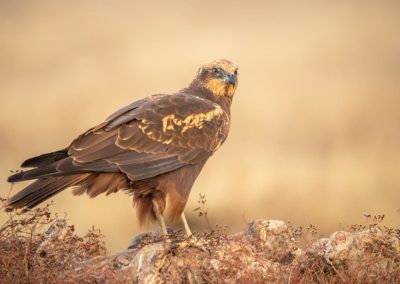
x,y
230,79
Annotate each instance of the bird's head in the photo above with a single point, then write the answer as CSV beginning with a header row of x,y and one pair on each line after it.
x,y
219,76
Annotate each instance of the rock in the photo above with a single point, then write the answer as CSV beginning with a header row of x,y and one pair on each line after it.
x,y
276,238
365,253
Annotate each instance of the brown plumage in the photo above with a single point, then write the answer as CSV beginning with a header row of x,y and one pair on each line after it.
x,y
153,148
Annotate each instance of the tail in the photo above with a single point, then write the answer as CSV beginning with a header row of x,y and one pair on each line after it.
x,y
42,189
45,159
91,183
58,164
43,165
55,172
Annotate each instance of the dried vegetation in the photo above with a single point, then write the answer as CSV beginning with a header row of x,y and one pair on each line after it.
x,y
38,247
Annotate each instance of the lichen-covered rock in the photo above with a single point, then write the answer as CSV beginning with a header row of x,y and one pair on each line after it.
x,y
276,238
359,254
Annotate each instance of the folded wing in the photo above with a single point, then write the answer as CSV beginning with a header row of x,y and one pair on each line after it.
x,y
145,139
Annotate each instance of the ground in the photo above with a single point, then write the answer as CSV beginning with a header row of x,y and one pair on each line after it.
x,y
36,247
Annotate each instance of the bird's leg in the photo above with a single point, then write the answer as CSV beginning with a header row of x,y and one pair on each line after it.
x,y
191,241
160,218
185,225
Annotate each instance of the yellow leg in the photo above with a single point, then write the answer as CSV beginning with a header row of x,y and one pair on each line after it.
x,y
160,218
185,225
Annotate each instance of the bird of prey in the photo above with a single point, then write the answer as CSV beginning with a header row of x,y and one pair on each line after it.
x,y
153,148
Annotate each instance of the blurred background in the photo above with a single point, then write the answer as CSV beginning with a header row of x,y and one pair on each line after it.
x,y
315,133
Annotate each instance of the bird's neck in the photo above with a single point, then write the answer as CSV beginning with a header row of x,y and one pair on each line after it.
x,y
203,92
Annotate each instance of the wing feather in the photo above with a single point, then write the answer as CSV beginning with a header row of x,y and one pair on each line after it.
x,y
145,139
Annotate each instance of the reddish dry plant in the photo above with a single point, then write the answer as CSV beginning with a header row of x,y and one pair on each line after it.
x,y
203,210
29,255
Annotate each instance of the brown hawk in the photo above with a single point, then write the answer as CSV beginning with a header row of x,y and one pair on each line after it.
x,y
153,149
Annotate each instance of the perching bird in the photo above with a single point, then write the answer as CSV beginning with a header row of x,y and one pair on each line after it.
x,y
153,148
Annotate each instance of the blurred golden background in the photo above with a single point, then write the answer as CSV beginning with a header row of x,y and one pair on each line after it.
x,y
315,133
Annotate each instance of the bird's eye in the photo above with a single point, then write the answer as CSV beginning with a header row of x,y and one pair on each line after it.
x,y
215,70
236,72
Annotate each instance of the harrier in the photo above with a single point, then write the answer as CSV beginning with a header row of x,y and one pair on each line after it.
x,y
153,149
